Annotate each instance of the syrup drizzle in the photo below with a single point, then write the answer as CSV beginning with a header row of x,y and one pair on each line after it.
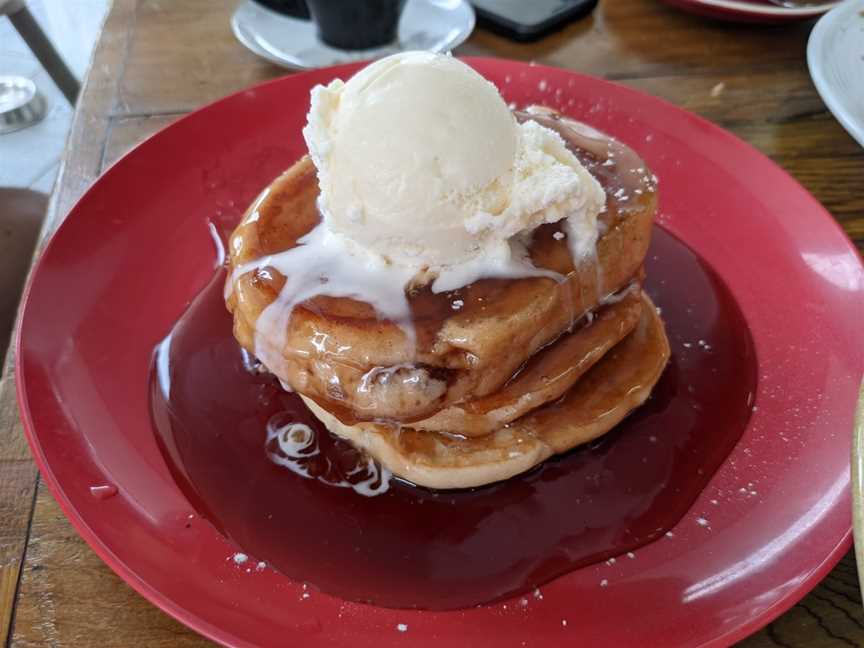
x,y
417,548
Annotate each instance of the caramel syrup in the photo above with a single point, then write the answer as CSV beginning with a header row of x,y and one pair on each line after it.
x,y
416,548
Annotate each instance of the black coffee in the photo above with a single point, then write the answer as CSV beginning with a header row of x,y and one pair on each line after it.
x,y
293,8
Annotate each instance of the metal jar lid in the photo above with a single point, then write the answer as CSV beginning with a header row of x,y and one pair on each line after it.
x,y
21,105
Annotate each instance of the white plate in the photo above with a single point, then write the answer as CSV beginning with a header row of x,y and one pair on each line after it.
x,y
434,25
835,54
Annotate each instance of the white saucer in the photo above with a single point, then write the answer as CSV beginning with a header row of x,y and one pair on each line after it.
x,y
835,54
434,25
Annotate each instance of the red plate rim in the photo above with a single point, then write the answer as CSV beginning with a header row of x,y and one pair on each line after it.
x,y
732,9
212,631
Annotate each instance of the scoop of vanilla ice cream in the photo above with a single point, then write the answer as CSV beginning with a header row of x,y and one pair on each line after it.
x,y
420,161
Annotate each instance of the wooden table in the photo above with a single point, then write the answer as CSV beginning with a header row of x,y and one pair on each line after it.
x,y
159,59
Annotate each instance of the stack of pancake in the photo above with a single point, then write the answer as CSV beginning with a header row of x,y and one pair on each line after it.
x,y
492,378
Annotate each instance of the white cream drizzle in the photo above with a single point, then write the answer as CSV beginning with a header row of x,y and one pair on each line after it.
x,y
297,445
250,363
613,298
326,263
217,244
507,261
163,366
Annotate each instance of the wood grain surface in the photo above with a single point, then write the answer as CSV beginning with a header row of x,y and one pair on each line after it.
x,y
158,59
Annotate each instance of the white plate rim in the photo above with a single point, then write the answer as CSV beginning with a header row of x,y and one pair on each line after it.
x,y
822,32
297,64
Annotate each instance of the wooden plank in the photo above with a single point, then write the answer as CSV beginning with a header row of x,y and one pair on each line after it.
x,y
836,183
17,483
746,96
70,598
830,616
200,63
631,39
638,38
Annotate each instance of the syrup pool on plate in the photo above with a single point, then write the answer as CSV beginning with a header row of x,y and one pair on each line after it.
x,y
397,545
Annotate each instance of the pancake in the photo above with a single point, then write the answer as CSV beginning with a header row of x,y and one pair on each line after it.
x,y
546,376
337,351
621,381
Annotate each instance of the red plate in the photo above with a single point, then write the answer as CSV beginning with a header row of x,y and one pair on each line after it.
x,y
137,248
761,11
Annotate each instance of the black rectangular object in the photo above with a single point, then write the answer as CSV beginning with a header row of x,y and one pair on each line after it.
x,y
526,20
